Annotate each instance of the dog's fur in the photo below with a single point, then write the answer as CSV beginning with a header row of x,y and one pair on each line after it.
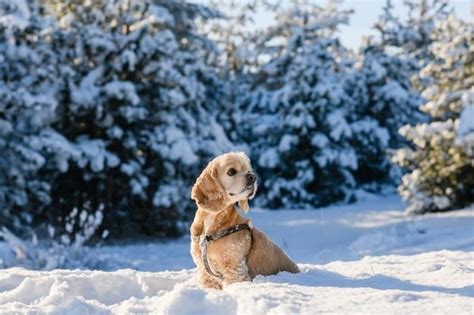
x,y
215,193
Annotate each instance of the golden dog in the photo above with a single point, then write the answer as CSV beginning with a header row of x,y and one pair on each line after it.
x,y
224,245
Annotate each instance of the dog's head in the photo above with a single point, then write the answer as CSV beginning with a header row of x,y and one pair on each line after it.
x,y
226,180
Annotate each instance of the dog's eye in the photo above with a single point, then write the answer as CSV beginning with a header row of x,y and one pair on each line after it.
x,y
231,172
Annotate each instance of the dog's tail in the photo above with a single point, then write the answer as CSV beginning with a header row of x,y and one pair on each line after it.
x,y
286,262
291,266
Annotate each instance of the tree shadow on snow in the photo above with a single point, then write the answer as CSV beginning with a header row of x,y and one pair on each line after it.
x,y
344,238
323,278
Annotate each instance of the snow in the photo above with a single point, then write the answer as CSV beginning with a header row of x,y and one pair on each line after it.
x,y
87,92
466,127
368,257
269,158
338,125
122,90
286,142
20,19
466,121
180,148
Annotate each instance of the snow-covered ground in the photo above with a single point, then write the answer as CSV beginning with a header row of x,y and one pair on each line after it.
x,y
362,258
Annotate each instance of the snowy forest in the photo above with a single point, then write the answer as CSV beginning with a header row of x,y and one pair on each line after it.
x,y
364,155
109,110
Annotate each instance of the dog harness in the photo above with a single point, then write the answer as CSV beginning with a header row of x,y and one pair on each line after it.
x,y
206,239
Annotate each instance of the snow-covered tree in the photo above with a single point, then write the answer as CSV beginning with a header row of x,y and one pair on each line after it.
x,y
240,42
295,114
28,83
413,35
385,79
105,105
441,159
390,96
381,85
373,136
133,115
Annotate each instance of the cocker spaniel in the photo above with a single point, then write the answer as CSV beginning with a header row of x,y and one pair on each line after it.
x,y
224,245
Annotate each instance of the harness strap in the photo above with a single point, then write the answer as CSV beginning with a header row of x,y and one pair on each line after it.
x,y
205,239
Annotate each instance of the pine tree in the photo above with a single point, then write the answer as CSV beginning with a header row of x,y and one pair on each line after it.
x,y
106,107
295,113
133,112
28,83
412,36
240,48
381,85
441,159
385,80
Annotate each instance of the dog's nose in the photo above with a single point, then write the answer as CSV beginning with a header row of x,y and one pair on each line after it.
x,y
250,178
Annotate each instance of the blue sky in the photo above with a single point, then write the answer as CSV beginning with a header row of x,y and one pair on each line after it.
x,y
364,16
367,11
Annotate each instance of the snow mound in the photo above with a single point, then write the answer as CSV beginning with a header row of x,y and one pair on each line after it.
x,y
363,258
374,284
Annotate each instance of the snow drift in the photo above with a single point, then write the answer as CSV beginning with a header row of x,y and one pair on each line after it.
x,y
354,259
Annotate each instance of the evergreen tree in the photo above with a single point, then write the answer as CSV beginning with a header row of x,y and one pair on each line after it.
x,y
133,111
106,107
381,85
28,83
384,83
295,113
441,159
412,36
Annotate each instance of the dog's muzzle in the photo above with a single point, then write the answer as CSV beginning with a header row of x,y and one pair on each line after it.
x,y
251,185
251,178
253,190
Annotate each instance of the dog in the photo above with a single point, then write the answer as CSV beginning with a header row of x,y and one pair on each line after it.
x,y
225,247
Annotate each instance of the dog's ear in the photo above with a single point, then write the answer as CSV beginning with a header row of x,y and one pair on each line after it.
x,y
208,191
244,205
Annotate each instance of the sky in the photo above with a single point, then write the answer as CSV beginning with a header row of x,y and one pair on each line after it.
x,y
367,11
365,15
